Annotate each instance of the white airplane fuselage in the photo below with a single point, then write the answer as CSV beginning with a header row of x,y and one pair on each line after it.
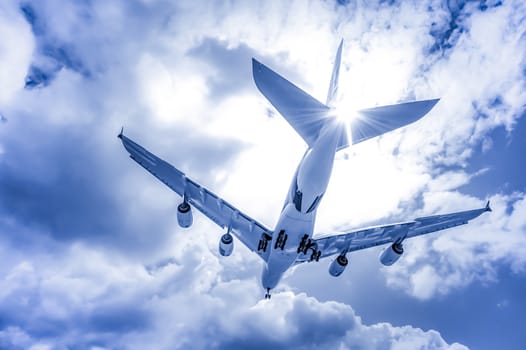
x,y
296,222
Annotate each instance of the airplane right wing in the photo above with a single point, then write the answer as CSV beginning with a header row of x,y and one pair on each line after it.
x,y
246,229
377,235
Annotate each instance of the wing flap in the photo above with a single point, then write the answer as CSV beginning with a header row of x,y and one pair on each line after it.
x,y
435,223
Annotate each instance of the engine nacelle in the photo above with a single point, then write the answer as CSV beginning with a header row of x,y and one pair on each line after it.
x,y
390,255
338,265
226,244
184,215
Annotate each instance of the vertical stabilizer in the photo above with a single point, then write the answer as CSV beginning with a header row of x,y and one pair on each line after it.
x,y
332,95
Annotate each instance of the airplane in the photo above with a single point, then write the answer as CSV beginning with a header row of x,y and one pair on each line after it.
x,y
292,241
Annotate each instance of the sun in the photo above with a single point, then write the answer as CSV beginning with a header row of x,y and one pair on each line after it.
x,y
345,111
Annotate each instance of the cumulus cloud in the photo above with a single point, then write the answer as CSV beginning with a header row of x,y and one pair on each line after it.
x,y
15,50
453,260
81,297
90,253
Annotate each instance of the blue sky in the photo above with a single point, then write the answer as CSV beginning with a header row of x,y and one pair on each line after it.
x,y
90,252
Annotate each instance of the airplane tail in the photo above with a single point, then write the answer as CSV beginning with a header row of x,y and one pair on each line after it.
x,y
307,115
332,94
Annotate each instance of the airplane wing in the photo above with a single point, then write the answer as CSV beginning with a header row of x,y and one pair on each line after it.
x,y
246,229
377,235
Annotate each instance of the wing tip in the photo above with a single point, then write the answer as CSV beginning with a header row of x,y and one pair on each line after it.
x,y
487,207
256,64
257,68
121,133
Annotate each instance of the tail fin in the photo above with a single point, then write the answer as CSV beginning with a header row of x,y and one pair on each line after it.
x,y
332,95
307,115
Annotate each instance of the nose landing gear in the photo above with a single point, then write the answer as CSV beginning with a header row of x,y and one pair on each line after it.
x,y
267,295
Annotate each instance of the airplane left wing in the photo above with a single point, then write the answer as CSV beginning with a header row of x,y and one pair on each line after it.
x,y
377,235
246,229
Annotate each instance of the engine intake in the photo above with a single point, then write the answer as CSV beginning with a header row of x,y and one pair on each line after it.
x,y
391,255
338,265
184,215
226,244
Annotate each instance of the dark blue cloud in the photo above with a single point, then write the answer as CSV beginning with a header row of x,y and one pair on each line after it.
x,y
233,66
447,34
52,54
57,182
48,183
110,319
37,25
38,77
118,318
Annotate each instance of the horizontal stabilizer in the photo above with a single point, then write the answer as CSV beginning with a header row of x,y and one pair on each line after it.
x,y
376,121
303,112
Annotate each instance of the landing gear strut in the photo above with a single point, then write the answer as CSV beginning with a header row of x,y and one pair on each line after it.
x,y
306,244
281,240
315,255
263,242
267,295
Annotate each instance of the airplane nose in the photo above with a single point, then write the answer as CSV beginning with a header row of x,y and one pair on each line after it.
x,y
269,280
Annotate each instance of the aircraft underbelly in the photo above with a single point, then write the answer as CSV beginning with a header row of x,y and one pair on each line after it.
x,y
291,228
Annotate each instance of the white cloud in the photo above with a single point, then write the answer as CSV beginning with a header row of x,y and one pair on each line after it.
x,y
16,48
443,262
107,301
93,291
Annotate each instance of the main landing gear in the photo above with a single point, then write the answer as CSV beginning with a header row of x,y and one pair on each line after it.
x,y
281,240
267,295
306,244
263,242
279,244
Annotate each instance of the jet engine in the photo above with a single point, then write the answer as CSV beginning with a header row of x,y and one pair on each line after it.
x,y
184,215
338,265
390,255
226,244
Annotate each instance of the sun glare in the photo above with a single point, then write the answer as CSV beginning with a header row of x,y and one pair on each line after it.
x,y
345,112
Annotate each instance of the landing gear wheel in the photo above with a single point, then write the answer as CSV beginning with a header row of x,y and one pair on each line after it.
x,y
267,295
302,248
318,254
